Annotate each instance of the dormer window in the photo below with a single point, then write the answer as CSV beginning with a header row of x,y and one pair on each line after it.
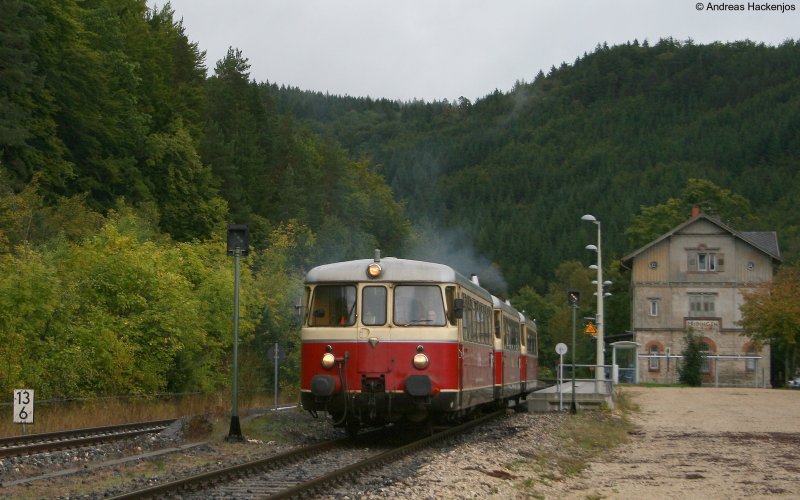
x,y
705,260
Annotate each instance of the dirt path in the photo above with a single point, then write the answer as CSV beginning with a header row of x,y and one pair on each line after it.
x,y
702,443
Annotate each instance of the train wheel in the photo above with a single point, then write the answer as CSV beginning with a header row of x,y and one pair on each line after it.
x,y
351,428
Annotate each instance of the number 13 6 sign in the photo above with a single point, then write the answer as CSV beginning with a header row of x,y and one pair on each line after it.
x,y
23,406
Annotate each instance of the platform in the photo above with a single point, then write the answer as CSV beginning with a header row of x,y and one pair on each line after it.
x,y
589,394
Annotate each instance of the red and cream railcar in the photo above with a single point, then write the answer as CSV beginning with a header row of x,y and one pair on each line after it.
x,y
530,355
389,340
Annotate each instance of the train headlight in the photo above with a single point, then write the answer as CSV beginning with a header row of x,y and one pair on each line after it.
x,y
328,360
420,361
374,270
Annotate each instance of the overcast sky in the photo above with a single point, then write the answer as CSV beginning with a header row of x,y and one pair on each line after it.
x,y
437,49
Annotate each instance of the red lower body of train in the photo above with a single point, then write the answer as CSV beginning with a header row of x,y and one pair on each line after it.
x,y
374,383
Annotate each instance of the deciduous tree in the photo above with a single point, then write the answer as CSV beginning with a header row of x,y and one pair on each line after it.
x,y
771,315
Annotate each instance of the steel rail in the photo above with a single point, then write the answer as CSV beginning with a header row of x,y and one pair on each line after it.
x,y
48,441
381,459
218,475
289,457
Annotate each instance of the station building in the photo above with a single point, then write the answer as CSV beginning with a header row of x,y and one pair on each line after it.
x,y
692,278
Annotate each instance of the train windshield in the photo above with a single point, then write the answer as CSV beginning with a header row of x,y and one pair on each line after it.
x,y
333,305
418,305
373,306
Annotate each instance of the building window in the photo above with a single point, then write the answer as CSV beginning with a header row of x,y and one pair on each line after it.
x,y
750,362
703,261
653,307
701,304
706,262
706,351
655,362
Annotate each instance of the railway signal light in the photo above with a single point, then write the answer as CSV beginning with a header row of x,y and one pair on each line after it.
x,y
238,245
238,239
574,297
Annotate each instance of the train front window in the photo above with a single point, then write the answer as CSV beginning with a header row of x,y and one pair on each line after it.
x,y
373,305
418,305
333,305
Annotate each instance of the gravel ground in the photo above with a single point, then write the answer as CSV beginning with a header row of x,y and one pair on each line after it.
x,y
687,443
703,443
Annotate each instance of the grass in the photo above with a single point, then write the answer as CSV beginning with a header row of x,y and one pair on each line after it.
x,y
288,426
55,416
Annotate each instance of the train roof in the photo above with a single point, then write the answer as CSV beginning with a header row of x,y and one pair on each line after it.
x,y
499,303
530,322
394,270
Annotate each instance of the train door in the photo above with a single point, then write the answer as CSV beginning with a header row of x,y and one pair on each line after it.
x,y
511,356
498,354
374,358
462,327
523,358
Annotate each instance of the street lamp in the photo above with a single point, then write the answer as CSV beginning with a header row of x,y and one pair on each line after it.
x,y
600,370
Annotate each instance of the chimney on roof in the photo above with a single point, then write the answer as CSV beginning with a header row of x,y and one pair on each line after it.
x,y
695,211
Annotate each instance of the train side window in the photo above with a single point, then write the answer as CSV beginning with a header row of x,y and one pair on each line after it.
x,y
333,305
306,308
450,299
373,305
467,321
486,324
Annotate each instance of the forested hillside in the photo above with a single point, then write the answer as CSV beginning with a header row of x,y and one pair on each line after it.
x,y
124,155
620,128
121,163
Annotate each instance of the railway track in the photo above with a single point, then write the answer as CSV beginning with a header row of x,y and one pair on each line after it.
x,y
302,472
52,441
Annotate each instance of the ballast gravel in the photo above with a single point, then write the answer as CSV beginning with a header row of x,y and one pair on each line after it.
x,y
688,443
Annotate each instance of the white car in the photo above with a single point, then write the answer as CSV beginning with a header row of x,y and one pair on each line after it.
x,y
794,383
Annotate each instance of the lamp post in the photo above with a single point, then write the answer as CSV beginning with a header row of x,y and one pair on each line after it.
x,y
573,299
599,320
237,246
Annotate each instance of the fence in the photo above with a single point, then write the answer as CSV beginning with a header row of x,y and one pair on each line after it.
x,y
755,377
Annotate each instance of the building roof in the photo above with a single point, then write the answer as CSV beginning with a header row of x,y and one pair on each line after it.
x,y
766,241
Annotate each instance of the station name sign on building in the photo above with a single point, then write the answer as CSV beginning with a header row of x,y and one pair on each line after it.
x,y
703,325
